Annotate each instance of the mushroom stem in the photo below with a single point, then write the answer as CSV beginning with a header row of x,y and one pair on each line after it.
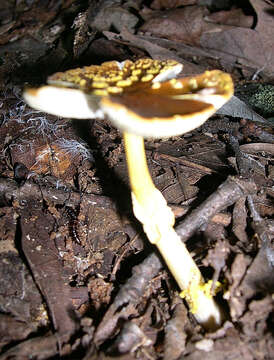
x,y
151,209
140,180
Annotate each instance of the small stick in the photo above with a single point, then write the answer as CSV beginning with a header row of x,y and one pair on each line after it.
x,y
226,195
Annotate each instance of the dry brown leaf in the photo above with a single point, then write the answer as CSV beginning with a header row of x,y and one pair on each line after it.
x,y
234,17
236,46
153,49
171,4
111,15
265,29
252,48
181,24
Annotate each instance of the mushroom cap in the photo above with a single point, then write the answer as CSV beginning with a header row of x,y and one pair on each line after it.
x,y
113,77
142,97
76,93
65,102
170,108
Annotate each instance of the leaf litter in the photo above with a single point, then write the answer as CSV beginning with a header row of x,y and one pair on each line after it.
x,y
78,279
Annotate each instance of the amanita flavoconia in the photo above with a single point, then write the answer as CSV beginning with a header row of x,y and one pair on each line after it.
x,y
145,99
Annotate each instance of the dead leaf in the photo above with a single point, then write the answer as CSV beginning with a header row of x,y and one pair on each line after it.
x,y
181,24
252,48
43,260
40,348
154,50
171,4
236,46
237,108
236,298
234,17
113,16
239,221
254,321
175,334
265,29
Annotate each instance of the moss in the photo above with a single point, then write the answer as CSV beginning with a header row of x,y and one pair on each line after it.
x,y
263,99
259,96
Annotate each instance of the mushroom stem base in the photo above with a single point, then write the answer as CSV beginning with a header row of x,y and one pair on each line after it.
x,y
186,273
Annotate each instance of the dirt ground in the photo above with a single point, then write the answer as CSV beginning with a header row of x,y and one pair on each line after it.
x,y
78,277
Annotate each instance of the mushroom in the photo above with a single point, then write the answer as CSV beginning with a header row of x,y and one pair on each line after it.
x,y
145,99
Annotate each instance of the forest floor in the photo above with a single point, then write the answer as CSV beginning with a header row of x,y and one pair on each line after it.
x,y
78,277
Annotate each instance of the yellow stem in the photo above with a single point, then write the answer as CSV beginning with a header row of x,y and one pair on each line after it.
x,y
151,209
139,176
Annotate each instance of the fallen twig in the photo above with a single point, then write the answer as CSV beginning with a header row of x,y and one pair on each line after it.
x,y
10,191
226,195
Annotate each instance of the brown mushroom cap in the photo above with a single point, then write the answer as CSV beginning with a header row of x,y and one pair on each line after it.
x,y
76,93
170,108
142,97
114,78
